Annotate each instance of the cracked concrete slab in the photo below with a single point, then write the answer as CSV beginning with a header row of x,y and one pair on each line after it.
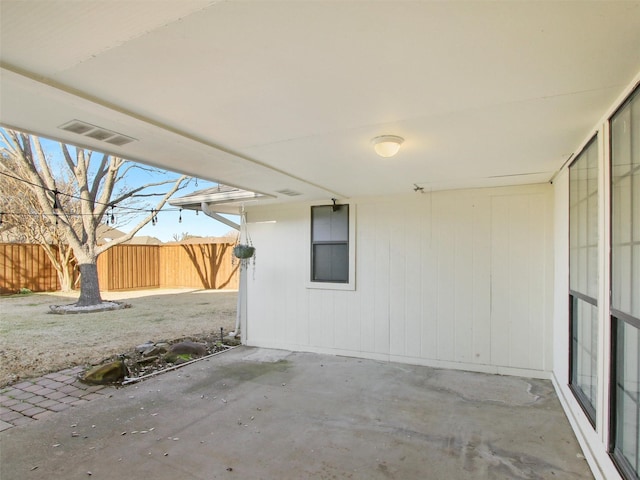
x,y
303,415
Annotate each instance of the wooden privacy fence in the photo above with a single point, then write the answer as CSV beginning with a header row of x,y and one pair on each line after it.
x,y
126,267
26,266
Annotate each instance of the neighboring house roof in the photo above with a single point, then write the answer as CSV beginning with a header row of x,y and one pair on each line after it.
x,y
144,240
105,233
199,240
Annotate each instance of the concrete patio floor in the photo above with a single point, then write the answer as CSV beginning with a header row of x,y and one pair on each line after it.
x,y
267,414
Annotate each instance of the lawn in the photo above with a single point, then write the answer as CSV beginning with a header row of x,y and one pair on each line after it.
x,y
34,342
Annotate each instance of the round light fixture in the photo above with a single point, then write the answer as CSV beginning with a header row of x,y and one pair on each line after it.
x,y
387,145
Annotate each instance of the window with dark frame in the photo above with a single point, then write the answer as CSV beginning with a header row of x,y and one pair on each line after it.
x,y
625,287
330,243
583,278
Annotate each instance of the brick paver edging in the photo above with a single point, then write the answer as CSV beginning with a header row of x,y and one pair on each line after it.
x,y
33,399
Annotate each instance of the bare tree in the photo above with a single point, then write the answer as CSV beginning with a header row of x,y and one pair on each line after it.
x,y
181,237
99,181
24,222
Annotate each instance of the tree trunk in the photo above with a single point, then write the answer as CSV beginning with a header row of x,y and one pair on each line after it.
x,y
89,286
65,280
65,277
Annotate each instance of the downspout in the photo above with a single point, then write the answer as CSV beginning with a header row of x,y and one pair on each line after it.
x,y
242,287
242,284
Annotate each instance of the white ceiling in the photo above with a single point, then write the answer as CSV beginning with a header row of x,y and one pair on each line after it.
x,y
268,96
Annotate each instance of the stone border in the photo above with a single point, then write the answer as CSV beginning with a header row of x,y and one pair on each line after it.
x,y
73,308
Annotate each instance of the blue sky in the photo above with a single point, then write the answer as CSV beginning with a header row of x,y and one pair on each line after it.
x,y
199,225
168,223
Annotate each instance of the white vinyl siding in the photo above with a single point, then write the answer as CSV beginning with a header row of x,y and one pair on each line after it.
x,y
456,278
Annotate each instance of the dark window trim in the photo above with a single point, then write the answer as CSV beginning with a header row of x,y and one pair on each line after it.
x,y
619,460
584,402
330,242
624,104
621,463
585,298
630,319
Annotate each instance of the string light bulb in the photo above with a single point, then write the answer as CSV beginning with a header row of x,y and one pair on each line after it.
x,y
56,204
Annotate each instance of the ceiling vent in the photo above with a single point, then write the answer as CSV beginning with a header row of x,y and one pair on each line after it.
x,y
288,192
97,133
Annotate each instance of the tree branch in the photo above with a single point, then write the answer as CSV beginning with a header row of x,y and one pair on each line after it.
x,y
147,219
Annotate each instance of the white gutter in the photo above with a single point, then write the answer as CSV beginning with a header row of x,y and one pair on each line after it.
x,y
216,216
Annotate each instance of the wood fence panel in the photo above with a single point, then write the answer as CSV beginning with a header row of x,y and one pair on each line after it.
x,y
227,274
126,267
26,266
198,266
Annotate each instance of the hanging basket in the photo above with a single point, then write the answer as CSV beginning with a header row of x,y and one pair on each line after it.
x,y
243,252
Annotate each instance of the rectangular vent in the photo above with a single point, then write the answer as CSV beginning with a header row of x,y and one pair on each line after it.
x,y
120,140
77,126
288,192
98,133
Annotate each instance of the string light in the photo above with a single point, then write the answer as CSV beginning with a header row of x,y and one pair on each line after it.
x,y
110,216
56,204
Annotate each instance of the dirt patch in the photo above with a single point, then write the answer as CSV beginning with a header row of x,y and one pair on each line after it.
x,y
34,342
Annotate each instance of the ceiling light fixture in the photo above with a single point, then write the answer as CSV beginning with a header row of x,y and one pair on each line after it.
x,y
387,145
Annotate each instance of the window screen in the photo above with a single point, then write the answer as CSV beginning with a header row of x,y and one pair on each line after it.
x,y
583,277
330,243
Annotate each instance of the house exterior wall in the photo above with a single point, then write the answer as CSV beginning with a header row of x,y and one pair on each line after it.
x,y
593,439
458,279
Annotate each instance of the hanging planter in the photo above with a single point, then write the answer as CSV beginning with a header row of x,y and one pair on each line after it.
x,y
243,251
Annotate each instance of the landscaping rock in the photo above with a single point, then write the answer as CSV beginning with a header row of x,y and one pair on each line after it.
x,y
155,350
145,346
231,341
147,360
190,348
140,364
75,308
113,372
178,358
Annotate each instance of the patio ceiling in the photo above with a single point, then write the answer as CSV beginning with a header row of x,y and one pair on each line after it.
x,y
279,97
